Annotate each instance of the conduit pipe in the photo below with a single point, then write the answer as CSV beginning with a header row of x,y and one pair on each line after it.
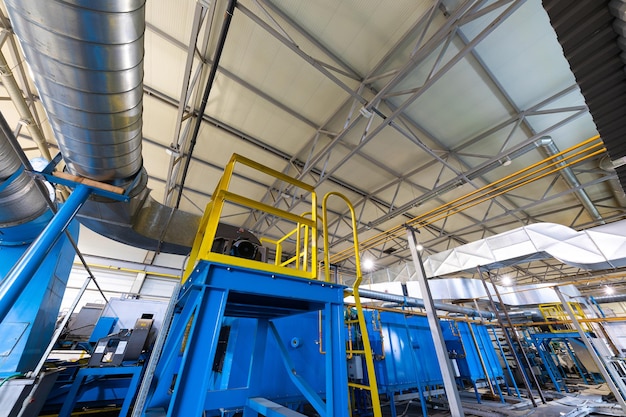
x,y
575,154
568,175
418,302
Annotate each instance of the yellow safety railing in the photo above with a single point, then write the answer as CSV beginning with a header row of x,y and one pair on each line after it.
x,y
302,257
372,386
555,312
303,265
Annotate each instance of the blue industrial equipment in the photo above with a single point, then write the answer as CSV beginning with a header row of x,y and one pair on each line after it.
x,y
407,367
473,352
29,323
196,376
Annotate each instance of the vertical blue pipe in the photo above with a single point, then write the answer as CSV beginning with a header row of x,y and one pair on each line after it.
x,y
19,276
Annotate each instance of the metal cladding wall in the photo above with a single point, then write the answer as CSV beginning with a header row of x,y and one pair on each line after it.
x,y
593,37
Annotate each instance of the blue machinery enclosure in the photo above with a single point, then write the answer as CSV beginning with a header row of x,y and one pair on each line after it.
x,y
185,381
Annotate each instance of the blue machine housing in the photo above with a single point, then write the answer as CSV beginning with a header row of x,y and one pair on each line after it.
x,y
299,335
405,359
459,340
28,327
407,353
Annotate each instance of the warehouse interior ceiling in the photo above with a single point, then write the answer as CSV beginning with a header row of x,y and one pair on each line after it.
x,y
445,115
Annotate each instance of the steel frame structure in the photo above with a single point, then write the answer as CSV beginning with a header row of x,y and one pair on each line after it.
x,y
383,94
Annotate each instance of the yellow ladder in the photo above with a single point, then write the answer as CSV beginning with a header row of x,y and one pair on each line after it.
x,y
366,351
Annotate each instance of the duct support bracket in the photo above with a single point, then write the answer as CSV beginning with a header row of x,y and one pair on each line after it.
x,y
73,181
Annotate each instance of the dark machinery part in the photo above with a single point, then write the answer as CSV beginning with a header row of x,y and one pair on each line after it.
x,y
126,345
220,352
238,242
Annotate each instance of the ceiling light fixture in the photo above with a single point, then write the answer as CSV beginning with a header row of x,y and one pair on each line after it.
x,y
368,264
608,290
506,280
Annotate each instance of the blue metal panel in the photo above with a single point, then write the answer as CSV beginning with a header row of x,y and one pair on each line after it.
x,y
459,339
409,360
31,319
250,302
103,328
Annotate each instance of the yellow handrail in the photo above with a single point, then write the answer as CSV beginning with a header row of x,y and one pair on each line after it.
x,y
203,243
367,349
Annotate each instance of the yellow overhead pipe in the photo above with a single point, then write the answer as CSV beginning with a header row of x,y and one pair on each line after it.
x,y
485,193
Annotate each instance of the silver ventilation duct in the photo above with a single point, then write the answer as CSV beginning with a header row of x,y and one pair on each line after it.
x,y
20,200
419,302
86,58
601,247
614,298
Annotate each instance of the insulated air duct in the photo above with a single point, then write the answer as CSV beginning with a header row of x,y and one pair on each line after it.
x,y
601,247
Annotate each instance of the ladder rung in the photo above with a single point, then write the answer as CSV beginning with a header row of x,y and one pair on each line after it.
x,y
352,321
360,352
361,386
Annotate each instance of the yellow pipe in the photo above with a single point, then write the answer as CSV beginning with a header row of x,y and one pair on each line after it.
x,y
391,233
130,270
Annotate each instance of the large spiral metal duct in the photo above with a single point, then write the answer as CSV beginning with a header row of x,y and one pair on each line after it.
x,y
86,59
20,200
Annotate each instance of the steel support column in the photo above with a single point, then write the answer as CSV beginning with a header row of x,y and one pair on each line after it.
x,y
454,401
597,359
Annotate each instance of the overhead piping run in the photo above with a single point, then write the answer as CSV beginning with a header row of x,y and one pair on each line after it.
x,y
418,302
205,97
568,175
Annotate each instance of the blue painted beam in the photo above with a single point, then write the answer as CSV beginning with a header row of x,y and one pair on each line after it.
x,y
270,409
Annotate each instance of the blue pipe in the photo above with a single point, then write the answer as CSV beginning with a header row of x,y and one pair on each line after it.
x,y
18,277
